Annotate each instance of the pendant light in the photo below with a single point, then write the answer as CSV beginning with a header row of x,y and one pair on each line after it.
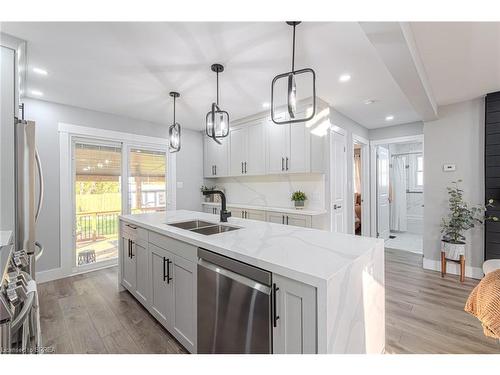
x,y
292,89
174,131
217,120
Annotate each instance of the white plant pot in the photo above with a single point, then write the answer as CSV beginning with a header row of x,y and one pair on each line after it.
x,y
453,250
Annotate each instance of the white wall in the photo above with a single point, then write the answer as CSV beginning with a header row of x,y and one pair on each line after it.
x,y
47,116
457,137
404,130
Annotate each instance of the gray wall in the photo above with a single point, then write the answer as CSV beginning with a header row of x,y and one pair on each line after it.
x,y
404,130
48,115
457,137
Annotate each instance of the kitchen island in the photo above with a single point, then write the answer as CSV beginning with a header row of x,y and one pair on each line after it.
x,y
330,297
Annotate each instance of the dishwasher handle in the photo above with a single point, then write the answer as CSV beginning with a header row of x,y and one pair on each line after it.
x,y
234,276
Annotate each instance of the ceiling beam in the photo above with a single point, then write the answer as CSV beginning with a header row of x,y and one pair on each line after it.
x,y
395,44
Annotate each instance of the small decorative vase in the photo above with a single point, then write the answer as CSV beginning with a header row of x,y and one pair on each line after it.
x,y
299,204
453,250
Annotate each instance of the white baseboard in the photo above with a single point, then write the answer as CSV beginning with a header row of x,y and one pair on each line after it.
x,y
60,273
453,268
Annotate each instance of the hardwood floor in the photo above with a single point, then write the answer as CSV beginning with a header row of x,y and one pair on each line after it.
x,y
87,314
424,314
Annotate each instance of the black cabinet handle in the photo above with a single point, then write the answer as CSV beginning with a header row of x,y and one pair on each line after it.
x,y
282,219
168,271
131,249
164,269
287,220
286,164
245,167
241,167
282,166
215,167
275,313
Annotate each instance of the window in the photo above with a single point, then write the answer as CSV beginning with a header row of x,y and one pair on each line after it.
x,y
146,181
416,173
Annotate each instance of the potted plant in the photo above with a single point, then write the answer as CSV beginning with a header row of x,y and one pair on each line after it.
x,y
298,197
461,218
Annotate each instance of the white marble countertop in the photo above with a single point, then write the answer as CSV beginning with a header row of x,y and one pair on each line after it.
x,y
5,237
308,255
288,210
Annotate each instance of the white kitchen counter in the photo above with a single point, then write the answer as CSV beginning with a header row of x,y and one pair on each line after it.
x,y
346,270
307,255
269,208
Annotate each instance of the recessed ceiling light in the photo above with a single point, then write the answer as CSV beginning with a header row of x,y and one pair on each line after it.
x,y
36,93
370,101
40,71
345,78
265,105
389,118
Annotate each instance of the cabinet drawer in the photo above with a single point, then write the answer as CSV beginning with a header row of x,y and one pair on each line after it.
x,y
134,232
176,247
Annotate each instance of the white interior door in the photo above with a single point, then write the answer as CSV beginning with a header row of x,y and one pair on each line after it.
x,y
338,183
383,192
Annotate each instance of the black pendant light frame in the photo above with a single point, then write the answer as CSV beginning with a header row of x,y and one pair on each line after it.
x,y
216,111
291,78
174,129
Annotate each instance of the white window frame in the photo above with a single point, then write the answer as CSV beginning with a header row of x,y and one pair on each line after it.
x,y
68,133
413,187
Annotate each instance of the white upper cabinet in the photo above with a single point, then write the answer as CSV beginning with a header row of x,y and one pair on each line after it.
x,y
260,147
247,149
216,157
277,145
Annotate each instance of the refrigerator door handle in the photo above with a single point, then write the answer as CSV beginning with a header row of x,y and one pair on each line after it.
x,y
41,190
39,253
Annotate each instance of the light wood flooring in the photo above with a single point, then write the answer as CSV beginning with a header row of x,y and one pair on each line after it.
x,y
424,314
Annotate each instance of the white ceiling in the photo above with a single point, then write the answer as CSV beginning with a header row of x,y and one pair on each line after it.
x,y
129,68
461,59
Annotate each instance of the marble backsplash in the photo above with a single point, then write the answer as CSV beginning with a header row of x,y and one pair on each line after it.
x,y
274,190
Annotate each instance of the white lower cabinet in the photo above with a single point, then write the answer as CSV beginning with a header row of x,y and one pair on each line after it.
x,y
294,329
129,273
211,209
142,272
173,294
248,214
289,219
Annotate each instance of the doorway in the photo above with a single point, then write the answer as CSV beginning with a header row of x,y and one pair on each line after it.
x,y
338,169
360,186
399,192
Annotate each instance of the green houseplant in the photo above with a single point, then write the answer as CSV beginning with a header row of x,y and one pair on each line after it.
x,y
461,218
298,197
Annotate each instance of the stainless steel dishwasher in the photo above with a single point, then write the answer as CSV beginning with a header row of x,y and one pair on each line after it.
x,y
234,306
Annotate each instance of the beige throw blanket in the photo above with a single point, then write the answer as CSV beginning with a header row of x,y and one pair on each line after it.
x,y
484,304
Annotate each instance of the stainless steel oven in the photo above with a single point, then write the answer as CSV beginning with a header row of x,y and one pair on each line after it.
x,y
234,306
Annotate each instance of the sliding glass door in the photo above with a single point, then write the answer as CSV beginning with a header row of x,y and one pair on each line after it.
x,y
97,181
109,179
147,180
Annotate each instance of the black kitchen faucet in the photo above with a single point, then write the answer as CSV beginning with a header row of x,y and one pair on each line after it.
x,y
224,214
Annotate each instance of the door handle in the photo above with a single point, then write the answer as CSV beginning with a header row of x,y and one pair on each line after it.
x,y
42,183
275,312
168,271
286,163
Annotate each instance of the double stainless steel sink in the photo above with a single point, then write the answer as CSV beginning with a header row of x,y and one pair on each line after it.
x,y
203,227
